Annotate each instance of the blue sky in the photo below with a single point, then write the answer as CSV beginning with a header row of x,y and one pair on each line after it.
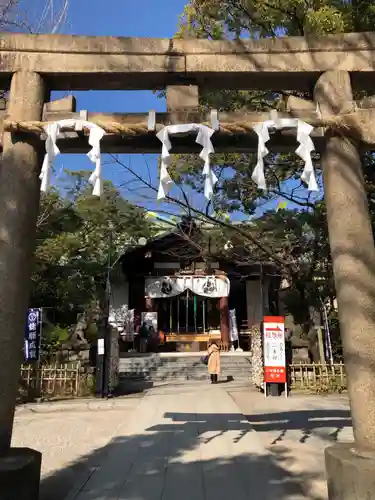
x,y
138,18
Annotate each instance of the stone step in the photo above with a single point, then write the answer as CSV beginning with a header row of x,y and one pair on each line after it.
x,y
164,372
179,378
187,359
181,374
177,365
180,369
131,369
184,374
126,382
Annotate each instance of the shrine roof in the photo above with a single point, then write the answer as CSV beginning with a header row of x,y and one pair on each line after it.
x,y
173,246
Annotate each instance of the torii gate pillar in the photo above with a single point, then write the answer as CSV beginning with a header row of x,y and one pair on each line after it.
x,y
19,200
350,468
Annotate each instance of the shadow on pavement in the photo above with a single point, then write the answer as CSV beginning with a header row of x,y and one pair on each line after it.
x,y
177,460
306,421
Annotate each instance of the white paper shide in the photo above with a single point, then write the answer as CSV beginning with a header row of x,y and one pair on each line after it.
x,y
96,134
204,134
304,150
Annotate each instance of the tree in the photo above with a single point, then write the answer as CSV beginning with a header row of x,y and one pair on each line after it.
x,y
258,18
47,16
77,236
255,18
296,238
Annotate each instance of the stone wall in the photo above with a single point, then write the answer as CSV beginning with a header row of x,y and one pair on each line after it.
x,y
256,356
114,358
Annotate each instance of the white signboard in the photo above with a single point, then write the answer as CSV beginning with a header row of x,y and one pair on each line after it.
x,y
101,348
151,319
274,350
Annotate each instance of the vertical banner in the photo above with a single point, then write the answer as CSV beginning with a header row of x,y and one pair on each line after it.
x,y
274,350
33,335
233,330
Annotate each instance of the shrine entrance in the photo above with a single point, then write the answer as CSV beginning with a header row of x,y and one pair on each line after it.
x,y
188,313
333,124
189,305
188,321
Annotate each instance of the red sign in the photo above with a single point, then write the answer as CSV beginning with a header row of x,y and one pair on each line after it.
x,y
274,350
275,375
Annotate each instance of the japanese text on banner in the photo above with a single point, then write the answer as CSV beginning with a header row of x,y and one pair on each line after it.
x,y
33,334
274,351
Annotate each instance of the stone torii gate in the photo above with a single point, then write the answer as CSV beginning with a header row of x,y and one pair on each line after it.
x,y
33,65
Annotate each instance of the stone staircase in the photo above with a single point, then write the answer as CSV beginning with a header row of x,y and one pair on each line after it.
x,y
178,367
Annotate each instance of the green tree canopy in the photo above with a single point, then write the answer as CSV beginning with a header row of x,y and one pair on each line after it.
x,y
76,235
297,236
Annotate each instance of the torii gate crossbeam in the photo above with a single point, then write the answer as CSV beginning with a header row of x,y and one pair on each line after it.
x,y
115,63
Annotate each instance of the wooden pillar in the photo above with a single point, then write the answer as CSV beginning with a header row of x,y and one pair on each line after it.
x,y
224,320
19,200
353,255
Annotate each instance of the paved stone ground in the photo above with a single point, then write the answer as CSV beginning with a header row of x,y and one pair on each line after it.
x,y
298,429
187,442
68,439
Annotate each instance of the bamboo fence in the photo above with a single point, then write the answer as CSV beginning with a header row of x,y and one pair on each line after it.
x,y
315,376
70,379
45,381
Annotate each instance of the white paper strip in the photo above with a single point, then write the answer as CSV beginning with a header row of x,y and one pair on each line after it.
x,y
203,138
52,130
304,151
94,155
96,133
166,182
258,173
306,146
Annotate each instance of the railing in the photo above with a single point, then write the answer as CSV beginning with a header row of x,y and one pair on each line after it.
x,y
319,377
45,381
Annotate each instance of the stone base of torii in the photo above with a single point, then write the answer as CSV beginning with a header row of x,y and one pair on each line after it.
x,y
349,467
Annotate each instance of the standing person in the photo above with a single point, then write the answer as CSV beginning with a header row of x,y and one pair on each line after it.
x,y
143,337
213,364
153,338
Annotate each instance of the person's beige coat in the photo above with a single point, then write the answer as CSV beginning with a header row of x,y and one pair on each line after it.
x,y
214,360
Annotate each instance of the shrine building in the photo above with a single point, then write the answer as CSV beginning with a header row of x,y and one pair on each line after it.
x,y
189,299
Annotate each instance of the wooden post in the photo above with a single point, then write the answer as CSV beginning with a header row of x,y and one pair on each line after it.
x,y
319,332
19,200
353,256
224,320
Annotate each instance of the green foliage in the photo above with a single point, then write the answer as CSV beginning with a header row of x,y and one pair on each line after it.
x,y
297,238
75,234
333,385
87,384
53,337
237,18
